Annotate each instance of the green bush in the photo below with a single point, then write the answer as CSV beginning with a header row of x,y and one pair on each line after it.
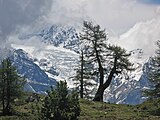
x,y
155,112
60,104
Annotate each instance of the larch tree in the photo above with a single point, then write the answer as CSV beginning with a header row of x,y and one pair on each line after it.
x,y
99,53
83,77
11,85
154,75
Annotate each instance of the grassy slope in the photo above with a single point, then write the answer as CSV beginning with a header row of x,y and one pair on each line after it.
x,y
104,111
96,111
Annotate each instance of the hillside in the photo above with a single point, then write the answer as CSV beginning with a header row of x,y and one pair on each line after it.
x,y
106,111
93,110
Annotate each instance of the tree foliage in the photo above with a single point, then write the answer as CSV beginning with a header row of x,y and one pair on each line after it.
x,y
60,104
154,74
102,55
84,77
11,85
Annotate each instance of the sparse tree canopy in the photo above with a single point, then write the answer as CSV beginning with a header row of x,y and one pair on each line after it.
x,y
11,85
84,77
100,53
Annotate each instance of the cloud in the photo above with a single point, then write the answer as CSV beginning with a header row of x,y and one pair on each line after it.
x,y
20,12
143,35
66,12
131,24
119,15
116,16
32,41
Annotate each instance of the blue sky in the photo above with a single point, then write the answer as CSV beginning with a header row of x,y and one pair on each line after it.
x,y
156,2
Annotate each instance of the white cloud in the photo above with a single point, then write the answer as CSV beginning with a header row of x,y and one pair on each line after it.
x,y
143,35
20,12
130,23
117,16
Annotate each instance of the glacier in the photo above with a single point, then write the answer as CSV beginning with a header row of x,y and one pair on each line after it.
x,y
37,80
57,57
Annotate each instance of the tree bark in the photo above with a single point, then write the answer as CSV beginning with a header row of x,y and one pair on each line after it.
x,y
99,94
100,68
102,87
8,77
100,91
81,82
3,101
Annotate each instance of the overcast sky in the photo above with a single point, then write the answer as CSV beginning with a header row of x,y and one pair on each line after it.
x,y
116,15
122,18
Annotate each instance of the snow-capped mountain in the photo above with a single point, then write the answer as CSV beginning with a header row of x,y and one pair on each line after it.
x,y
58,36
57,62
57,58
129,89
37,80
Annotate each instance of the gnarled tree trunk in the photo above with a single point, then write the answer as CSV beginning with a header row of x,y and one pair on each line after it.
x,y
102,87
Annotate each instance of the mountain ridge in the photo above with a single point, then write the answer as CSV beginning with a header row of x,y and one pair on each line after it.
x,y
58,61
